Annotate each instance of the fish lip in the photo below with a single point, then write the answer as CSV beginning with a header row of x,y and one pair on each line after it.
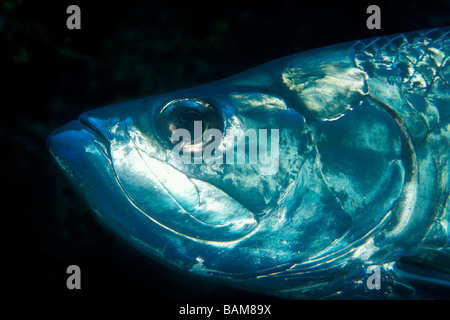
x,y
94,130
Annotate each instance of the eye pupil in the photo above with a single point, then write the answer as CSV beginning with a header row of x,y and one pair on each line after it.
x,y
186,113
188,121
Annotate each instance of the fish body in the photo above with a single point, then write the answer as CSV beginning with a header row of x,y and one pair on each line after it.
x,y
355,177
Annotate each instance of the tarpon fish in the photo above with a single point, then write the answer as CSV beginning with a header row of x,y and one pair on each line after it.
x,y
357,208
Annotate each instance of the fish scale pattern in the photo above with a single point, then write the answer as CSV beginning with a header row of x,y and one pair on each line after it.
x,y
417,66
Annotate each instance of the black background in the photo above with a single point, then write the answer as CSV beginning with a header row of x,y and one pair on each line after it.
x,y
125,50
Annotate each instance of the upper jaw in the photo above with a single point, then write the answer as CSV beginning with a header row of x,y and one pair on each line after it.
x,y
95,128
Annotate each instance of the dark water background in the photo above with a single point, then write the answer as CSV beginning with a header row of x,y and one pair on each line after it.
x,y
125,50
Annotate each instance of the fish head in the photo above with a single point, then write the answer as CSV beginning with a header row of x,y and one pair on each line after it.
x,y
237,179
156,189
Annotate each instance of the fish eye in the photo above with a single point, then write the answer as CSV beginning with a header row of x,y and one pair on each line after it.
x,y
192,114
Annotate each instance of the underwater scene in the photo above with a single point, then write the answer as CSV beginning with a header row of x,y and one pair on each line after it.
x,y
174,150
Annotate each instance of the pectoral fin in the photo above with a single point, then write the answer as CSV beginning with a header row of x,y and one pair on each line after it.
x,y
430,267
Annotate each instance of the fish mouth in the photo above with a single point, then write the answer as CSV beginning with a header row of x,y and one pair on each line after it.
x,y
107,167
94,130
81,151
70,135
